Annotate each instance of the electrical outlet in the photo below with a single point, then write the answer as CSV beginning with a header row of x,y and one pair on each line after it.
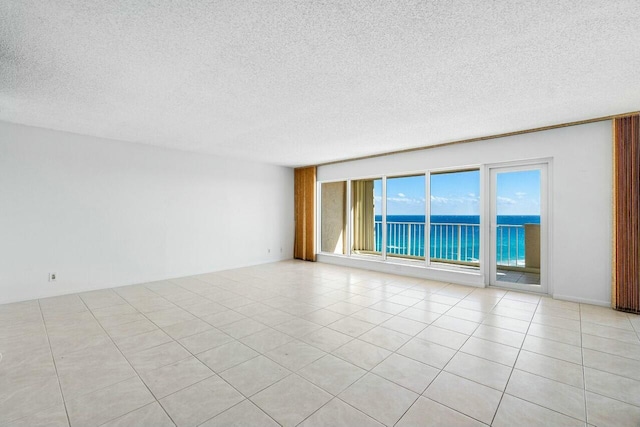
x,y
52,277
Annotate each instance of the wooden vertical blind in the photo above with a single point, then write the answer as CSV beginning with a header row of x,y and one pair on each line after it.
x,y
625,294
305,209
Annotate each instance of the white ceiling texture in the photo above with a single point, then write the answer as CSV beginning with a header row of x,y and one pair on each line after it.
x,y
305,82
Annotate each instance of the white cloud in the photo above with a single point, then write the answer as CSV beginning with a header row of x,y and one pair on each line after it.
x,y
401,195
520,194
506,201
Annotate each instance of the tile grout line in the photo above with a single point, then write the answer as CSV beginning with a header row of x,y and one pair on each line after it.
x,y
127,360
513,368
53,359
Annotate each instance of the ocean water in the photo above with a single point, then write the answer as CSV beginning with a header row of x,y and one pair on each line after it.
x,y
454,237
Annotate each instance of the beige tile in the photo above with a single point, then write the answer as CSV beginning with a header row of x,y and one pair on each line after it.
x,y
555,334
548,367
223,318
121,319
206,340
326,339
267,339
198,403
297,327
508,323
444,337
350,326
403,300
514,411
243,328
442,299
608,332
156,357
187,328
150,415
9,330
295,355
254,375
418,315
622,366
602,411
456,325
207,308
385,338
275,317
379,398
91,369
559,308
362,354
130,345
372,316
291,400
149,305
514,313
490,350
244,414
427,352
557,322
433,306
175,376
252,309
553,349
338,413
411,374
470,398
404,325
478,303
388,307
611,346
548,393
614,386
344,308
466,314
55,416
483,371
331,374
22,396
62,346
108,403
499,335
323,317
226,356
129,329
428,413
605,317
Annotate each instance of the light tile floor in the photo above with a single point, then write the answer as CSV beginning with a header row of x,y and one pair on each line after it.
x,y
297,343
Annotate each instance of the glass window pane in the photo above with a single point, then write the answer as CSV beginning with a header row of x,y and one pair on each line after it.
x,y
455,217
405,216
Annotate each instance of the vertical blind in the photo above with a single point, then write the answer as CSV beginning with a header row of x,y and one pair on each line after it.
x,y
305,208
625,294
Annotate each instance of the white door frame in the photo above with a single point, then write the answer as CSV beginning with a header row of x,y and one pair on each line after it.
x,y
544,165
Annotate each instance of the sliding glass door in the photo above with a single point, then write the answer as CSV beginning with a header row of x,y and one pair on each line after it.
x,y
519,227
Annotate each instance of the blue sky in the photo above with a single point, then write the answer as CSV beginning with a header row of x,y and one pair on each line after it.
x,y
458,194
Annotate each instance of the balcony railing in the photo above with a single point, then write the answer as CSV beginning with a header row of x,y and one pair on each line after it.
x,y
451,242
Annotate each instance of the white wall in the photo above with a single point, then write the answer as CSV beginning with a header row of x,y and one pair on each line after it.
x,y
580,192
103,213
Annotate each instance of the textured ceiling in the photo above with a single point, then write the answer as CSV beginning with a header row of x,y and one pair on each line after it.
x,y
303,82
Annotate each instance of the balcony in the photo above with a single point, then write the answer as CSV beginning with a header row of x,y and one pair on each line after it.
x,y
517,246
